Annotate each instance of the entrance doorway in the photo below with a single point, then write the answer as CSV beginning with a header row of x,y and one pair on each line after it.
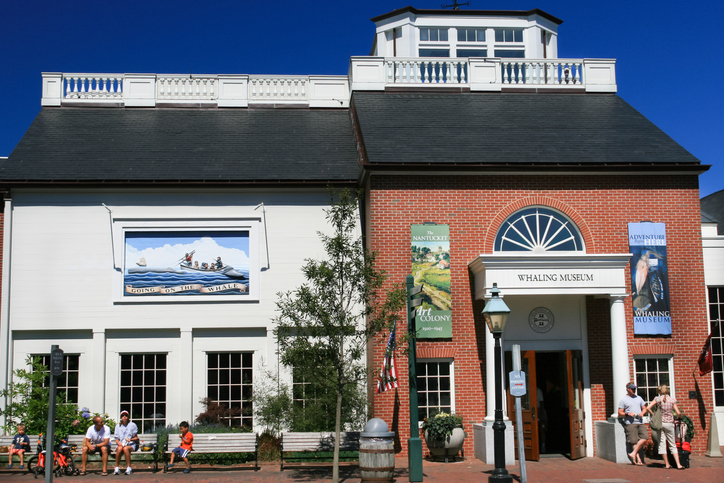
x,y
552,410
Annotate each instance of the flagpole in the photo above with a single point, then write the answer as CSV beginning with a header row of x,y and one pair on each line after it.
x,y
414,444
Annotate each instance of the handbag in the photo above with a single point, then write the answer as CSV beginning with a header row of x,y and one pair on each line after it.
x,y
655,423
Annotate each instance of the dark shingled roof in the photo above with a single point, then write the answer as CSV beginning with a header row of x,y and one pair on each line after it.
x,y
511,129
713,205
470,13
185,145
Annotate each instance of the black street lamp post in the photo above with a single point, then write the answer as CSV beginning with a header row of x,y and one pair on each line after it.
x,y
496,314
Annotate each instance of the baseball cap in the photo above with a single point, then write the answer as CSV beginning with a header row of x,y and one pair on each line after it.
x,y
124,412
631,386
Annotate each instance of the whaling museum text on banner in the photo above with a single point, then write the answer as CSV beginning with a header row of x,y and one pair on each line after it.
x,y
431,268
649,278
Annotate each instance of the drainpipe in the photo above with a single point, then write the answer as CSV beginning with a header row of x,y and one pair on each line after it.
x,y
5,342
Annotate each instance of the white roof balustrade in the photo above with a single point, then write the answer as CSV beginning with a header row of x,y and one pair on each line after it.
x,y
365,74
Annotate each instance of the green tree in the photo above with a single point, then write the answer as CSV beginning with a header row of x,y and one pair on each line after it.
x,y
28,401
324,326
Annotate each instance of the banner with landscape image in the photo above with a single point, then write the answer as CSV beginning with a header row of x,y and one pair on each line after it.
x,y
431,268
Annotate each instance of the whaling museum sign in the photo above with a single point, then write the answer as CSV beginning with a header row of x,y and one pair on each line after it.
x,y
575,274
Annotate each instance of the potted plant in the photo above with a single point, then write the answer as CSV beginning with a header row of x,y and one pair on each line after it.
x,y
444,434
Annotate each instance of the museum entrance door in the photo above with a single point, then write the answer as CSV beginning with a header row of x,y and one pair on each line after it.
x,y
552,409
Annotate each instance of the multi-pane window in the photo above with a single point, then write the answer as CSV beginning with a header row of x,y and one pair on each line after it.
x,y
472,52
434,53
471,35
651,372
434,388
230,383
433,34
67,382
716,314
508,35
143,389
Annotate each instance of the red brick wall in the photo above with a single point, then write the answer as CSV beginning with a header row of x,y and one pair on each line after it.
x,y
602,206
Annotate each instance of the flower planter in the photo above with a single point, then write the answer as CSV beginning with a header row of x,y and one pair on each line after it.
x,y
448,448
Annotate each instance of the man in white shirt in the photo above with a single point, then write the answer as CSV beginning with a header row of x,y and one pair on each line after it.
x,y
126,436
97,440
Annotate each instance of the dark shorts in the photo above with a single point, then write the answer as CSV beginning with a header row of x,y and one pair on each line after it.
x,y
98,450
636,432
180,452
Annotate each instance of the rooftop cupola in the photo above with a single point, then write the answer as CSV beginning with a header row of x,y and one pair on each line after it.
x,y
410,32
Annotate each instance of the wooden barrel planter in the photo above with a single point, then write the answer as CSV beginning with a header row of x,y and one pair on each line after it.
x,y
376,452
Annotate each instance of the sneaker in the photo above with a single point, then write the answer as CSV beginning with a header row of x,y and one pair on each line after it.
x,y
170,466
20,467
187,470
129,470
117,471
10,466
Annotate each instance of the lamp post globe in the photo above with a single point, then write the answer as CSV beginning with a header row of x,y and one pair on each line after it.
x,y
496,315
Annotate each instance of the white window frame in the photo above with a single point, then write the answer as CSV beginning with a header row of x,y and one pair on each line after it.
x,y
65,387
122,226
451,361
718,317
434,42
669,357
242,418
141,421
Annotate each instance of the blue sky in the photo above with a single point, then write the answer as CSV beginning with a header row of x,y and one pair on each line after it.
x,y
668,57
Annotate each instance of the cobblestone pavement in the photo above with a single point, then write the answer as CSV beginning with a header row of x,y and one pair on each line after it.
x,y
547,470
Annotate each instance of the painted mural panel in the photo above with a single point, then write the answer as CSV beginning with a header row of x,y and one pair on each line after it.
x,y
430,252
649,278
170,263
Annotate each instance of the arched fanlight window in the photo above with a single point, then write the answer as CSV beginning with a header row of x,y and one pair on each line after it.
x,y
537,229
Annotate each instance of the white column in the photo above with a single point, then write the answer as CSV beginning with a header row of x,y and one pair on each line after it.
x,y
489,375
619,350
98,400
186,403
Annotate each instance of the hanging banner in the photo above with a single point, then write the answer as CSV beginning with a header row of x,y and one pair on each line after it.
x,y
649,278
431,268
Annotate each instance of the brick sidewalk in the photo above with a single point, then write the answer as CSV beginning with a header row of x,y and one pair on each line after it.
x,y
547,470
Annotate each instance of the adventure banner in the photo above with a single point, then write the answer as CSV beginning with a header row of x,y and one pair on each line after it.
x,y
431,268
649,278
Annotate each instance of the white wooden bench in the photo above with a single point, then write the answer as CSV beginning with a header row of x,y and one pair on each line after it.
x,y
205,443
149,441
7,441
316,442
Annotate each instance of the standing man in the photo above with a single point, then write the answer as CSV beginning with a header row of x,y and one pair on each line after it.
x,y
97,440
126,436
630,409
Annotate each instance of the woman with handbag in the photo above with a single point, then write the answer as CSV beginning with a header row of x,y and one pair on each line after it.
x,y
663,422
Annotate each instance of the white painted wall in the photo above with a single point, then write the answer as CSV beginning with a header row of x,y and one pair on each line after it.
x,y
713,246
64,285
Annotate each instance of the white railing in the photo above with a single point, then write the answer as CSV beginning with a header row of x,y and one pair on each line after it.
x,y
93,86
277,88
177,87
542,72
224,90
483,74
426,71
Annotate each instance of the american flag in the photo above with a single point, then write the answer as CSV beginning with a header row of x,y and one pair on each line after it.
x,y
388,373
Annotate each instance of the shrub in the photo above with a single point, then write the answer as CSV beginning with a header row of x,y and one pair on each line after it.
x,y
441,425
